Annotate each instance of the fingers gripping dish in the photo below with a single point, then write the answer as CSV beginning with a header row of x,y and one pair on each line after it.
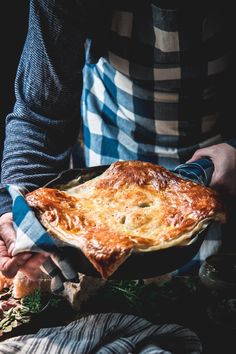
x,y
133,206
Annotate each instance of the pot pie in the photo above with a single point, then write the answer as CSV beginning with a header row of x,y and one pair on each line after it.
x,y
133,206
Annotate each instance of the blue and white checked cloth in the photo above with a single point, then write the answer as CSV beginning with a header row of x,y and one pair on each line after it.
x,y
31,235
199,171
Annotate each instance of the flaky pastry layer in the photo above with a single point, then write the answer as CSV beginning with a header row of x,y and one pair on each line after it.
x,y
133,206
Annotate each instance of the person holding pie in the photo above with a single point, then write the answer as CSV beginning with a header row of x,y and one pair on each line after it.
x,y
106,81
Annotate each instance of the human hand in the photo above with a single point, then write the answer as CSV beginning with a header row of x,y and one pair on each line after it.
x,y
27,262
223,157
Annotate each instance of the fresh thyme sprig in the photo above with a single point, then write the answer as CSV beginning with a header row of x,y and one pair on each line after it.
x,y
129,289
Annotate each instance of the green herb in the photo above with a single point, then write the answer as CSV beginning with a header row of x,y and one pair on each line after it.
x,y
55,302
155,302
129,289
38,301
34,301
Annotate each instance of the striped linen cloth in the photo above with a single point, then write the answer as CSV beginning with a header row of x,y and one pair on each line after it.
x,y
107,334
31,235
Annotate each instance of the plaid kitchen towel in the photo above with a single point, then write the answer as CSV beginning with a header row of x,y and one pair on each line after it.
x,y
32,237
199,171
109,333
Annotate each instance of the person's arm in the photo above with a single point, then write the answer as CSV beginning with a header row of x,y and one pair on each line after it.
x,y
44,125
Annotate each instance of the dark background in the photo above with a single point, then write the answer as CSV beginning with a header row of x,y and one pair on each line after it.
x,y
13,29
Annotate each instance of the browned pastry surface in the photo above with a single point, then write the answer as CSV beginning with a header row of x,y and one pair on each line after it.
x,y
133,206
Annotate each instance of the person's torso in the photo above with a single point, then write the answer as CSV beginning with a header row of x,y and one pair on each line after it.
x,y
156,93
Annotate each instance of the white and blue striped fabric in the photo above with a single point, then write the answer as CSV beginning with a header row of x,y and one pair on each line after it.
x,y
31,235
107,334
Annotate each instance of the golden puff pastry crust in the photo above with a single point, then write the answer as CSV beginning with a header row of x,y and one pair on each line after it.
x,y
133,206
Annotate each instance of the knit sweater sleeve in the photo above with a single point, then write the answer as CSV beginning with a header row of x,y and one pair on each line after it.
x,y
45,121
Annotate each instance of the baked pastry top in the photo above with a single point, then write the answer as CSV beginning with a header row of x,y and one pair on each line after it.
x,y
133,206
